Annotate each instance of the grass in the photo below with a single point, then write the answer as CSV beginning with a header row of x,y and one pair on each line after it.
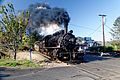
x,y
18,63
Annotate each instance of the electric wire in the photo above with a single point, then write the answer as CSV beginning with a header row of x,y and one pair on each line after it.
x,y
95,30
82,27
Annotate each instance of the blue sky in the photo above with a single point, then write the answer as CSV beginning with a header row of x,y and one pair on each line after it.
x,y
85,21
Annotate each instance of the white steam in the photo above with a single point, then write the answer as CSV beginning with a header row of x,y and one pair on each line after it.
x,y
50,29
40,7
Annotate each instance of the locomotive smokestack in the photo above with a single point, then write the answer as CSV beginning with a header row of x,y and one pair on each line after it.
x,y
66,20
65,27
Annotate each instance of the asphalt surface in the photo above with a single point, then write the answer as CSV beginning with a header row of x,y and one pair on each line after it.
x,y
95,68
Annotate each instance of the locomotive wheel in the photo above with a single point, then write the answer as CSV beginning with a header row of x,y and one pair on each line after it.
x,y
63,56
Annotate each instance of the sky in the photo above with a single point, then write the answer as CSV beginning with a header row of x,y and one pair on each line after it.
x,y
85,21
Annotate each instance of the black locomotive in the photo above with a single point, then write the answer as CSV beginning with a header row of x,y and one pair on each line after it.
x,y
61,46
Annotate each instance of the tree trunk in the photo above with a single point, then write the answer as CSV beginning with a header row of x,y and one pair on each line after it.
x,y
15,49
15,54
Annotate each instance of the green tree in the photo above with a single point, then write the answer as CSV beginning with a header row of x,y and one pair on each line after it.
x,y
12,27
115,32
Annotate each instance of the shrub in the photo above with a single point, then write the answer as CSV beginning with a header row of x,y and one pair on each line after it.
x,y
101,49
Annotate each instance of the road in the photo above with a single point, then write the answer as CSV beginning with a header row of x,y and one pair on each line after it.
x,y
96,68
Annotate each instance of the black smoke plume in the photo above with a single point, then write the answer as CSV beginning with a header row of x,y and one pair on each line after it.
x,y
42,15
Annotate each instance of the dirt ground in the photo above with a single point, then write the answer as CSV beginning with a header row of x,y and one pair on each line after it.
x,y
37,57
26,55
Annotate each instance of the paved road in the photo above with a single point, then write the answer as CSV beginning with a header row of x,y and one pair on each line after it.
x,y
96,68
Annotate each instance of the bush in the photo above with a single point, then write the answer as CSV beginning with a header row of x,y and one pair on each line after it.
x,y
101,49
109,49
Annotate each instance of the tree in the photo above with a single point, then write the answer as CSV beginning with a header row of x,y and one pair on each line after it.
x,y
115,32
12,27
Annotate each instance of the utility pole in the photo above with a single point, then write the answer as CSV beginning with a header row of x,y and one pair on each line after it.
x,y
103,17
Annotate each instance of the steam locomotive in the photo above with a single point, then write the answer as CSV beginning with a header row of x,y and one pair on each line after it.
x,y
61,46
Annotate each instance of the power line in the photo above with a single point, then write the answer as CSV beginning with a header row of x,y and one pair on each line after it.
x,y
108,26
82,27
95,30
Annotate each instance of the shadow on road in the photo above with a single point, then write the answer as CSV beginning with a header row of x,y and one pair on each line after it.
x,y
89,58
11,72
2,75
